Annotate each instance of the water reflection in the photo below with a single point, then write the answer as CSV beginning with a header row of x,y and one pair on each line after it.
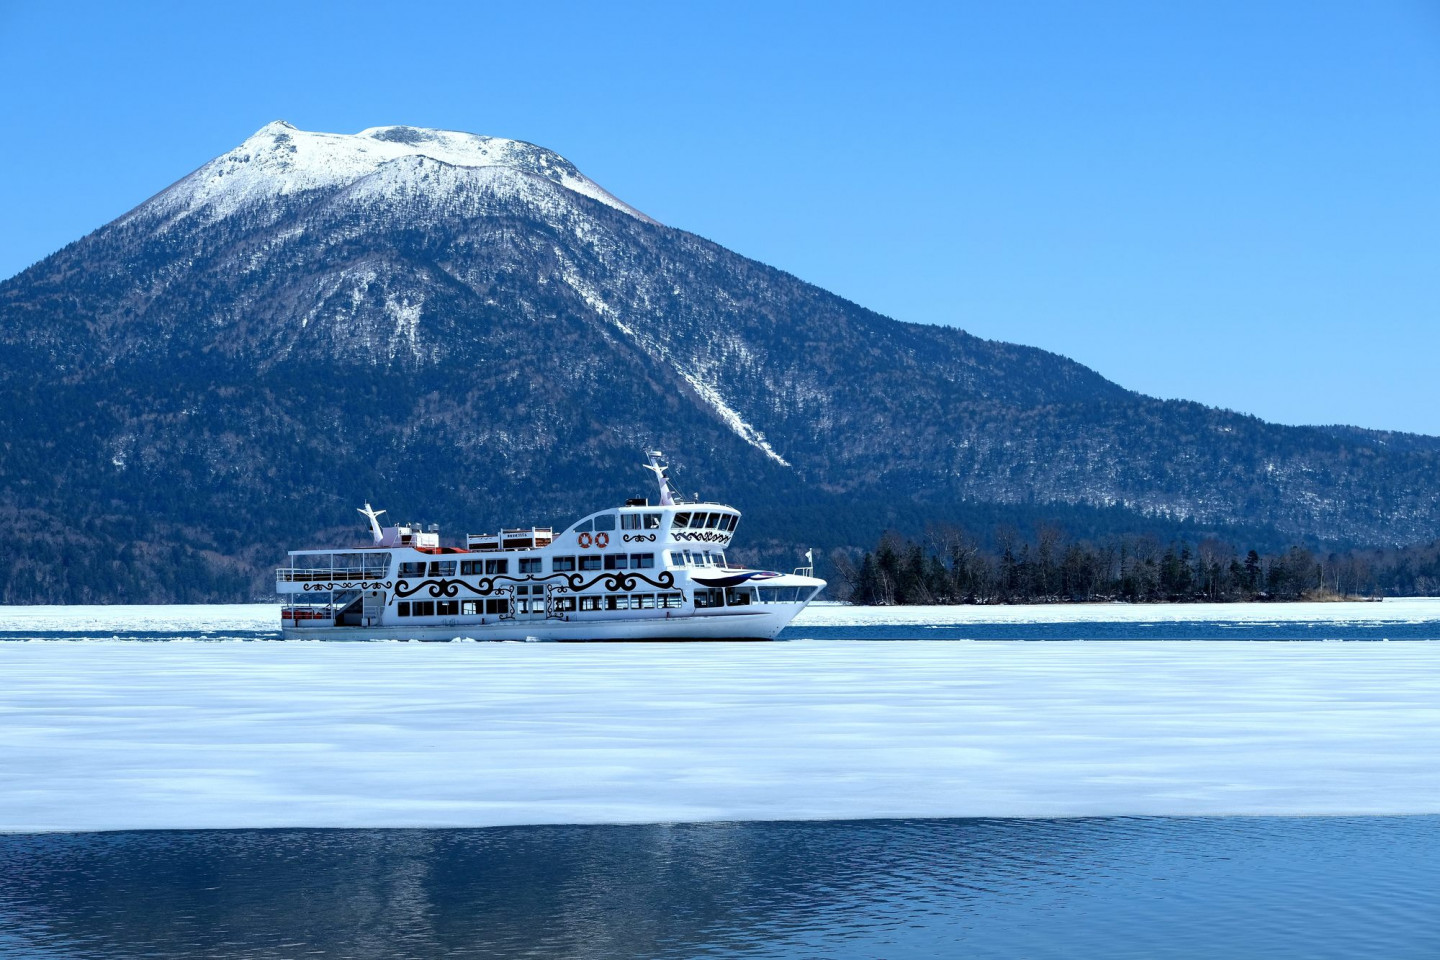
x,y
1108,887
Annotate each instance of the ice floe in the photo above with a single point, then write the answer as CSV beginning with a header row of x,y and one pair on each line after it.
x,y
121,735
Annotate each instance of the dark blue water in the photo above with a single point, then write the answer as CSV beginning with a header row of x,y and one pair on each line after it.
x,y
1142,888
1103,630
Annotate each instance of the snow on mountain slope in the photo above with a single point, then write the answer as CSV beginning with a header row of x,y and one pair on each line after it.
x,y
280,160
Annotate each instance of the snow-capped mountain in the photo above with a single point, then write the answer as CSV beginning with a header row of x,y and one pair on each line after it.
x,y
467,329
281,161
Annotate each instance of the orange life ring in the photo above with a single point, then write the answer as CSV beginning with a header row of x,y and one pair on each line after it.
x,y
584,540
602,539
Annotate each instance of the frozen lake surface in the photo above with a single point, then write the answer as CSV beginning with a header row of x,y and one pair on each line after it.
x,y
113,734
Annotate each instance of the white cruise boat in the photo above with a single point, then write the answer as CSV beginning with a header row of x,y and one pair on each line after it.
x,y
638,572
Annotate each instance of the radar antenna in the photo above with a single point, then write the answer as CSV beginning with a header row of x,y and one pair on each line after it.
x,y
658,467
374,517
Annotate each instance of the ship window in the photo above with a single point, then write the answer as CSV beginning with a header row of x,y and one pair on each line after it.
x,y
590,603
629,521
730,521
606,521
671,600
403,608
447,608
652,521
739,596
682,520
642,601
585,526
590,562
423,608
617,601
498,566
564,604
470,568
616,561
562,564
530,564
470,608
642,561
709,598
442,568
412,569
767,595
497,606
714,521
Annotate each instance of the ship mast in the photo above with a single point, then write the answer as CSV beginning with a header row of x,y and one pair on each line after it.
x,y
374,517
658,467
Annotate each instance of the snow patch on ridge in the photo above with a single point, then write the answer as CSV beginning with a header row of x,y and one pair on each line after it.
x,y
732,419
407,320
708,393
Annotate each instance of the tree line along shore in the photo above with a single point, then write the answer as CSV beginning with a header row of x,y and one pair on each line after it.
x,y
949,566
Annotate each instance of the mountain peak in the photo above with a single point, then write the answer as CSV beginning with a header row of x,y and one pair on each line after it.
x,y
281,159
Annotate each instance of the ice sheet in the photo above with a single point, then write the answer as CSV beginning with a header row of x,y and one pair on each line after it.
x,y
176,619
119,735
1404,610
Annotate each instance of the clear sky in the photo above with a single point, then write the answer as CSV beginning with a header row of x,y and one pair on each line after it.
x,y
1232,201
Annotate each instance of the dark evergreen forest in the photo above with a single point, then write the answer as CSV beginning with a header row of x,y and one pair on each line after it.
x,y
950,566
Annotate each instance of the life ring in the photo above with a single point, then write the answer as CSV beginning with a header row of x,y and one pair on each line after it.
x,y
602,539
584,540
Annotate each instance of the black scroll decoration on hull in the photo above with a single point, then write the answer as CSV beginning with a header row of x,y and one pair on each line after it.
x,y
618,581
700,536
359,585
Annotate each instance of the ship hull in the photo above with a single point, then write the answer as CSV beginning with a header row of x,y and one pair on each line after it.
x,y
729,626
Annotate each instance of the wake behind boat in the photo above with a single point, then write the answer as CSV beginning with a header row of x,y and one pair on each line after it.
x,y
637,572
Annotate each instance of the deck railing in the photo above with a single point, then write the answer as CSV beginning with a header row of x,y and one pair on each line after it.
x,y
315,574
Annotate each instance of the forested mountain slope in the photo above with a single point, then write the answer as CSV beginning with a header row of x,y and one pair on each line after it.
x,y
467,330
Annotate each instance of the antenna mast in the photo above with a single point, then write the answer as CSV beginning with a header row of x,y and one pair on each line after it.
x,y
658,467
374,517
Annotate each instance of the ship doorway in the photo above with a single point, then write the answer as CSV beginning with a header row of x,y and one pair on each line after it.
x,y
530,601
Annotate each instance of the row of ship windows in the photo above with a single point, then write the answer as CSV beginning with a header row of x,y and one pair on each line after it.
x,y
501,565
724,522
628,521
501,606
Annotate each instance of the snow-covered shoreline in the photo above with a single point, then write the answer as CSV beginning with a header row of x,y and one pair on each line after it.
x,y
117,735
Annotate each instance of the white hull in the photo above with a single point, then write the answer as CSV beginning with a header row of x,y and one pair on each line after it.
x,y
730,625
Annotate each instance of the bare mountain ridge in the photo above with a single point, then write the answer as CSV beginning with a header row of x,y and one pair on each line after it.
x,y
468,328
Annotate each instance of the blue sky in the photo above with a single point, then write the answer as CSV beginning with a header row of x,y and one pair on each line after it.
x,y
1232,202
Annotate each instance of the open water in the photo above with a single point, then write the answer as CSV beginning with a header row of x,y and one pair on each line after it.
x,y
1143,888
